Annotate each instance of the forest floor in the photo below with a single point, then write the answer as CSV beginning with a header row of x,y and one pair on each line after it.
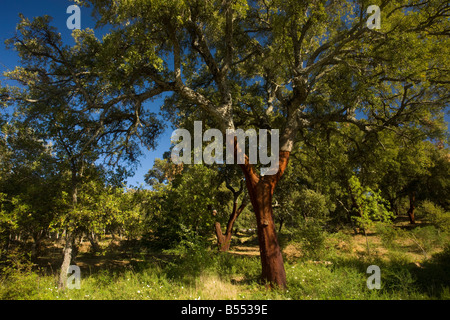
x,y
414,261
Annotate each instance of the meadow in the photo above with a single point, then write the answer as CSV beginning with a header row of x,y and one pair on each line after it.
x,y
414,263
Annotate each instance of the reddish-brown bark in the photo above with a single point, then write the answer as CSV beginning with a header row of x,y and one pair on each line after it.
x,y
260,189
223,240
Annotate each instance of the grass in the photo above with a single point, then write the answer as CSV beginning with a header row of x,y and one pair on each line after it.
x,y
338,273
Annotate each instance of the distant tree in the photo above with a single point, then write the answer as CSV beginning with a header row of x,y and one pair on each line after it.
x,y
29,167
163,171
407,167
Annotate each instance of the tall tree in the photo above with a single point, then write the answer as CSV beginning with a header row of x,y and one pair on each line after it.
x,y
291,65
82,116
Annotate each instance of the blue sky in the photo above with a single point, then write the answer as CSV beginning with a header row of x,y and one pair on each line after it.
x,y
9,17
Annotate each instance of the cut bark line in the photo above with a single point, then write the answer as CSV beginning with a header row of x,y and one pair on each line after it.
x,y
261,191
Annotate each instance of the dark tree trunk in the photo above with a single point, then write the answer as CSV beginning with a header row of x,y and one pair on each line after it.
x,y
281,225
224,240
94,243
412,200
37,244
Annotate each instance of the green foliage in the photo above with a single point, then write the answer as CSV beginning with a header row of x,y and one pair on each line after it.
x,y
186,203
426,238
8,221
317,281
194,196
389,234
17,278
371,206
313,205
20,286
399,280
189,274
435,214
311,237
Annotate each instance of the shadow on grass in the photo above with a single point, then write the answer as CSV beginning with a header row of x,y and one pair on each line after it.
x,y
400,278
433,276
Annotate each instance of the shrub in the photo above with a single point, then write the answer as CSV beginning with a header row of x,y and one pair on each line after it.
x,y
313,204
427,238
19,285
388,234
399,281
435,214
311,237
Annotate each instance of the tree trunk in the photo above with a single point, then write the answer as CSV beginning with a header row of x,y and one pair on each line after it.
x,y
281,225
37,245
69,253
224,240
412,200
270,252
261,190
66,260
93,240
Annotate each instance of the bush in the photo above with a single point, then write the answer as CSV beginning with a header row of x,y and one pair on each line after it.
x,y
435,214
388,234
398,280
313,205
311,237
427,238
19,285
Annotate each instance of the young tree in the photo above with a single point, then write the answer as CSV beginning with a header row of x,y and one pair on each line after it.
x,y
291,65
224,239
369,206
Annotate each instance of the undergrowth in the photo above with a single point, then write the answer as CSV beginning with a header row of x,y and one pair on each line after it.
x,y
204,273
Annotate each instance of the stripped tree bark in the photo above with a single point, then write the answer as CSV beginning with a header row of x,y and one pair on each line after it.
x,y
224,239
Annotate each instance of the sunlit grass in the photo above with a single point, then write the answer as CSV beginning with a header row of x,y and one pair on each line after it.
x,y
340,273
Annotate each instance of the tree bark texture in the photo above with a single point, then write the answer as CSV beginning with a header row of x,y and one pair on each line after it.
x,y
68,250
224,239
261,190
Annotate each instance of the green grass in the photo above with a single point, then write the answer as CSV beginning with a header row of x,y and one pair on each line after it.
x,y
340,273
